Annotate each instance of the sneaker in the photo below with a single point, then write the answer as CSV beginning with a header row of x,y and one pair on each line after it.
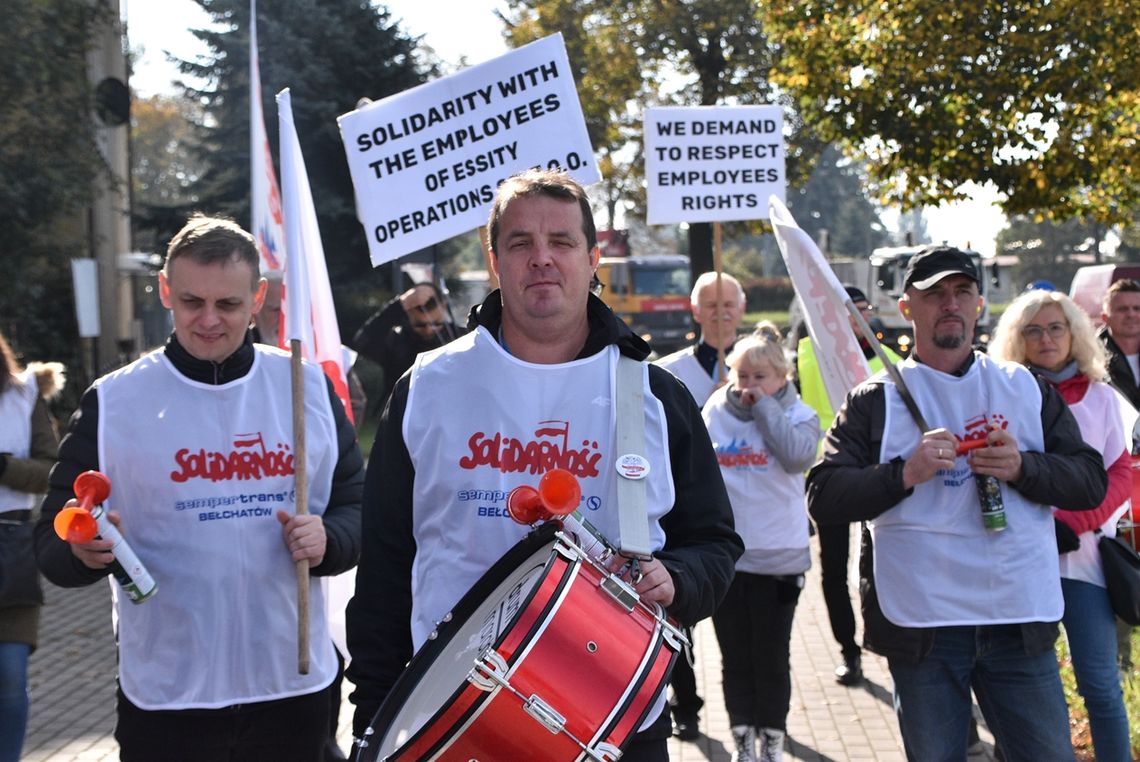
x,y
744,737
850,672
686,726
771,745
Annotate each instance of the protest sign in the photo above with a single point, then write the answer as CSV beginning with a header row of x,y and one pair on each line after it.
x,y
425,163
713,163
842,364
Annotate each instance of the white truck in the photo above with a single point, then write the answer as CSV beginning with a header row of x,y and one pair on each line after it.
x,y
880,276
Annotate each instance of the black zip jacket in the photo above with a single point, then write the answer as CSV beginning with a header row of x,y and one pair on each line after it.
x,y
1119,371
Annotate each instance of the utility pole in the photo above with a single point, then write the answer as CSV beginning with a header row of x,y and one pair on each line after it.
x,y
109,216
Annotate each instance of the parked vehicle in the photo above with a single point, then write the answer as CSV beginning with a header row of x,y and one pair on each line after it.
x,y
650,292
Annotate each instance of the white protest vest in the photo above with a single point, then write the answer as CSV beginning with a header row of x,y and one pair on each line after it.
x,y
16,405
684,365
1104,416
767,501
935,563
479,423
198,473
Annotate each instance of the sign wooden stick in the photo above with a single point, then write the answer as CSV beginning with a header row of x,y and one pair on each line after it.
x,y
301,476
722,368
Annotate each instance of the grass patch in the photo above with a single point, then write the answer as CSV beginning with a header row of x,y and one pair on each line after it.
x,y
1078,716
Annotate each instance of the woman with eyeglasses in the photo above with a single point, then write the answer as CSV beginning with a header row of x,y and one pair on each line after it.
x,y
1048,333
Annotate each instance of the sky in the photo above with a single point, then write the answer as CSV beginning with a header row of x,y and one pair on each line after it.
x,y
471,31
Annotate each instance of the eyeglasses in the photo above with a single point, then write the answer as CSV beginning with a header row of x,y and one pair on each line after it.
x,y
1036,332
427,325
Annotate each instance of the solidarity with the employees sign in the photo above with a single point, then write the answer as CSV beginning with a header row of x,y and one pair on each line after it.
x,y
713,163
425,162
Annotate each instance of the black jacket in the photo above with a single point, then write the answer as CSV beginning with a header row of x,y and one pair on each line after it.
x,y
1119,371
849,484
700,551
387,339
79,452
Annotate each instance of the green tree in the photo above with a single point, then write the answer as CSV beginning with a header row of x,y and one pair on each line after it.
x,y
48,160
330,53
689,52
1048,250
165,167
1040,98
608,77
832,199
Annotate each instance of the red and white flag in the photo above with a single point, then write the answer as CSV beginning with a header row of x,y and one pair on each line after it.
x,y
841,360
306,300
264,196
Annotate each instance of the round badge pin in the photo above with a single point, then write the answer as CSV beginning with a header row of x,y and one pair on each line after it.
x,y
632,466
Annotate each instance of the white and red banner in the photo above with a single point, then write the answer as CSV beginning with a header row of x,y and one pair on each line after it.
x,y
841,360
306,300
264,196
425,162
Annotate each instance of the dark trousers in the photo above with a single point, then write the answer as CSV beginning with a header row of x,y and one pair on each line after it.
x,y
834,550
685,701
651,744
285,730
754,629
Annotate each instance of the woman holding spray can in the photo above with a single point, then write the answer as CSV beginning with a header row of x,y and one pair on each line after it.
x,y
1048,333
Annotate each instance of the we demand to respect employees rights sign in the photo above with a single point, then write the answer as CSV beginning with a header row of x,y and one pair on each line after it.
x,y
713,163
425,163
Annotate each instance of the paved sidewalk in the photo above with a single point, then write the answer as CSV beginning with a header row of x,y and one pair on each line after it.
x,y
73,690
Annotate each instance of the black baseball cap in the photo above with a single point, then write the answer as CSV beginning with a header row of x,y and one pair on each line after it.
x,y
855,293
934,263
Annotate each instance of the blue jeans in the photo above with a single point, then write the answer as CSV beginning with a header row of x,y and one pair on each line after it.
x,y
13,699
1020,695
1090,628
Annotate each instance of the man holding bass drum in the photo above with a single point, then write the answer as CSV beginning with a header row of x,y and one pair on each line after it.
x,y
529,389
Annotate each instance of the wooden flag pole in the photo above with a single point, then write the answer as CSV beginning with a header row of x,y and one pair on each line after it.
x,y
301,477
722,367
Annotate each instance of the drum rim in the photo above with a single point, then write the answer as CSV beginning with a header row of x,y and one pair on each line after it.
x,y
411,676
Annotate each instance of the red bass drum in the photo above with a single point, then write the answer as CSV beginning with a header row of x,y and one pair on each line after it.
x,y
547,657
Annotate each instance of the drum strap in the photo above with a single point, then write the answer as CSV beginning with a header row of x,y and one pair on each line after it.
x,y
633,516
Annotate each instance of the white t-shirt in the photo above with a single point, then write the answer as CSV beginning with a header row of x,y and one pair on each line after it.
x,y
1104,416
512,421
198,472
936,564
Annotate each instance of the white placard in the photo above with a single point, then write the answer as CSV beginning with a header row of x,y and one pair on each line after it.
x,y
713,163
85,283
425,163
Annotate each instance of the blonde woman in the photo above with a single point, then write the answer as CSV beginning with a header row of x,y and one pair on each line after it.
x,y
1048,333
765,437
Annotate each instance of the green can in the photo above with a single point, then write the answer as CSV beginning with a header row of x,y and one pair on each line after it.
x,y
989,495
